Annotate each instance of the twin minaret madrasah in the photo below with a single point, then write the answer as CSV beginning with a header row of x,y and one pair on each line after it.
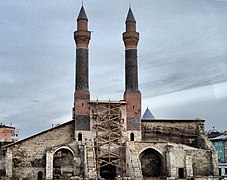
x,y
108,139
132,95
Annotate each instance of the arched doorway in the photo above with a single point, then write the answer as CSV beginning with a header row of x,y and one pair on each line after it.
x,y
108,172
63,164
151,163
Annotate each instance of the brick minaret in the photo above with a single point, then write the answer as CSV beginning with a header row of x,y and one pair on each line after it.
x,y
81,112
132,94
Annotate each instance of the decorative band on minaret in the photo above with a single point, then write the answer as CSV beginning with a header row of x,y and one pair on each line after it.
x,y
81,111
132,94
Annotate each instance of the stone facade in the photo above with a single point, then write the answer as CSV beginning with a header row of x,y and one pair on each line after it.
x,y
28,157
108,139
174,156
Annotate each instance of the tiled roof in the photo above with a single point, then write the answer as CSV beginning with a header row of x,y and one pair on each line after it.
x,y
221,137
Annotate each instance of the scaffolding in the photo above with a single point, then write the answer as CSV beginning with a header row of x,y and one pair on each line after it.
x,y
109,140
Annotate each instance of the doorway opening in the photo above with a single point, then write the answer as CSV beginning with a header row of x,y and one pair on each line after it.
x,y
108,172
40,175
181,172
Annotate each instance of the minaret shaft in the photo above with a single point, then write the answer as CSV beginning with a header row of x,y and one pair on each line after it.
x,y
132,94
81,69
81,111
131,72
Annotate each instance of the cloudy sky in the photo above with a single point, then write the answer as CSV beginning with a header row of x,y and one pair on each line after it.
x,y
182,56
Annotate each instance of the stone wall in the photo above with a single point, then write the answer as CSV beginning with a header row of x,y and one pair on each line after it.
x,y
194,162
186,132
27,157
202,165
177,145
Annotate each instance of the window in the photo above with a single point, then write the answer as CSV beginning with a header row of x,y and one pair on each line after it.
x,y
132,137
80,137
225,171
219,171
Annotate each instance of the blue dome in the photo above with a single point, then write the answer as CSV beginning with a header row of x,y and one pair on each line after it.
x,y
148,115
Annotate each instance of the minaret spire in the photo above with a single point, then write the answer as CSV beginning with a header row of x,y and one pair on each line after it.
x,y
82,14
82,95
130,16
132,94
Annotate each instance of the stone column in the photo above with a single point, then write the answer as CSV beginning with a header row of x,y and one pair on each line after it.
x,y
9,163
49,165
188,165
167,160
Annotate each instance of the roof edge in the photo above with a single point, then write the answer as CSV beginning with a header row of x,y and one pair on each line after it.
x,y
42,132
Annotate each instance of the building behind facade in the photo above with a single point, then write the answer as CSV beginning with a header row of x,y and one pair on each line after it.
x,y
8,135
219,141
107,139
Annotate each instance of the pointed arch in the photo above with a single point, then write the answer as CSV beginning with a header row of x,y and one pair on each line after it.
x,y
152,163
63,163
65,147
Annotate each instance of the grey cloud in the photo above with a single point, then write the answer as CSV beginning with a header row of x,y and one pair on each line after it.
x,y
182,46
